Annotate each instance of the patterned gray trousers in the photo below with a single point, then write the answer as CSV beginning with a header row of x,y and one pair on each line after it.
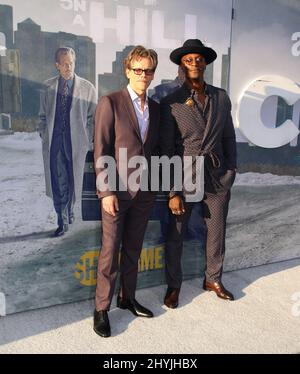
x,y
215,210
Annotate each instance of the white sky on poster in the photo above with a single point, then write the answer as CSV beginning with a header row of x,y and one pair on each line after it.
x,y
212,19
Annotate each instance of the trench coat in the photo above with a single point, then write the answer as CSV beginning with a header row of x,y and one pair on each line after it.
x,y
82,113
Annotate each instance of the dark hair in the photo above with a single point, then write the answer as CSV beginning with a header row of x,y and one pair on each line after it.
x,y
64,51
141,52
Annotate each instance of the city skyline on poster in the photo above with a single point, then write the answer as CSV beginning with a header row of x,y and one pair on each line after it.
x,y
114,25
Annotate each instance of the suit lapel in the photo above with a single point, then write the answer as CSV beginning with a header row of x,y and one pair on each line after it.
x,y
152,119
195,111
52,97
129,109
53,89
211,114
199,116
76,89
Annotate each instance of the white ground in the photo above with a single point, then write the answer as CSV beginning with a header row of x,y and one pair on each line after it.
x,y
265,318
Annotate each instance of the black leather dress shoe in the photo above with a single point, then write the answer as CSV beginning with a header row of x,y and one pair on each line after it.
x,y
171,298
135,308
219,289
61,230
101,323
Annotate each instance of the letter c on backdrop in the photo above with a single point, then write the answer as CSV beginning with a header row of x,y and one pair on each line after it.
x,y
249,111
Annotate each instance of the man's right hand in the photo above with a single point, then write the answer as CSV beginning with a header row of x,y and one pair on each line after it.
x,y
110,204
176,205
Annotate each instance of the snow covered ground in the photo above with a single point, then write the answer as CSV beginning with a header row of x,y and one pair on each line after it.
x,y
37,270
267,179
25,208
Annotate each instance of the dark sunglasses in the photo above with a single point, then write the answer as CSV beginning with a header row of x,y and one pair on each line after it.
x,y
141,71
190,60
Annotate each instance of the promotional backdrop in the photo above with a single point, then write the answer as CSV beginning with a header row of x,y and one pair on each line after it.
x,y
258,46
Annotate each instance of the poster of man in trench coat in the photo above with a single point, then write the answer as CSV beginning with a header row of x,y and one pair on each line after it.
x,y
66,126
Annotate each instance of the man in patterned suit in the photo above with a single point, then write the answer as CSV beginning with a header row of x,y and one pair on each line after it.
x,y
196,121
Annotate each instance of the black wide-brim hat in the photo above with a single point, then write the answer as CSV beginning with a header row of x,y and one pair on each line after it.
x,y
193,46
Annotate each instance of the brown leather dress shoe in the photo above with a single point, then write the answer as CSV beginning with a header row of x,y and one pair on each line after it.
x,y
171,298
219,289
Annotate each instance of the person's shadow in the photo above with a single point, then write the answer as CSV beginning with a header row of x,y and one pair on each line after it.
x,y
47,319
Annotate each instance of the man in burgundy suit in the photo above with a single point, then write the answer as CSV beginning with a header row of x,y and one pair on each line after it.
x,y
126,120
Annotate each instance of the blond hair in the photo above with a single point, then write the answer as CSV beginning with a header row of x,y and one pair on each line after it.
x,y
141,52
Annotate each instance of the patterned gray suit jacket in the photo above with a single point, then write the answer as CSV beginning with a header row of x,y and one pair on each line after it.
x,y
185,131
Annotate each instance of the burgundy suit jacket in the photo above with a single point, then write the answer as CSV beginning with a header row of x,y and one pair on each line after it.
x,y
116,126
